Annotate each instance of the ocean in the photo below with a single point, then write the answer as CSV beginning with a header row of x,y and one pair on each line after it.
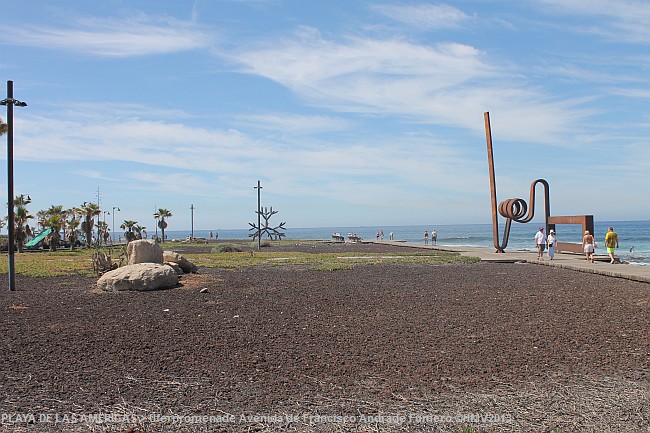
x,y
634,236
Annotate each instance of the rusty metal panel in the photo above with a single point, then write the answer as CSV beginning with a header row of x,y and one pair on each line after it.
x,y
587,223
569,247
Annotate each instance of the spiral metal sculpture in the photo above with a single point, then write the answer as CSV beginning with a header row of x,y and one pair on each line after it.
x,y
513,209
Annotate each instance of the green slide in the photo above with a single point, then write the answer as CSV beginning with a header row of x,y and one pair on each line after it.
x,y
38,240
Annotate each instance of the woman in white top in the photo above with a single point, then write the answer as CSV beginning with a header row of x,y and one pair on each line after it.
x,y
552,243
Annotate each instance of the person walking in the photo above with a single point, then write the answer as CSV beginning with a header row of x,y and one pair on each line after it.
x,y
540,243
551,242
426,237
588,246
611,242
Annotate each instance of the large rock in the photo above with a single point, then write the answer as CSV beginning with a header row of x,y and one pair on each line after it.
x,y
144,251
141,276
175,267
187,266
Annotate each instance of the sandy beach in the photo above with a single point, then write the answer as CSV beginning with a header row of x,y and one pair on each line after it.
x,y
390,347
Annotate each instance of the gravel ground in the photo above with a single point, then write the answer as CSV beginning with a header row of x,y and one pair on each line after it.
x,y
389,347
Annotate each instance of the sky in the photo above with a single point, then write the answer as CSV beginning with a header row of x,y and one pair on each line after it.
x,y
349,113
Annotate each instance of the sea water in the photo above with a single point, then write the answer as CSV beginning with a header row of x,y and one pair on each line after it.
x,y
634,236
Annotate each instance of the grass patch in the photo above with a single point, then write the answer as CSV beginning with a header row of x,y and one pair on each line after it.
x,y
322,261
51,264
79,262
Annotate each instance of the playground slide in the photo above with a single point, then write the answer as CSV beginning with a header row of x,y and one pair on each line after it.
x,y
38,240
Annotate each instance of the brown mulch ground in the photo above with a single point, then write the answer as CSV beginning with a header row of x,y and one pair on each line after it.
x,y
390,347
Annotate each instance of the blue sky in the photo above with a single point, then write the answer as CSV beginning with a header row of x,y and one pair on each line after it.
x,y
349,113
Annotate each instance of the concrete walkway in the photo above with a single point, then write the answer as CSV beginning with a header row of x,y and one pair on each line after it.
x,y
571,261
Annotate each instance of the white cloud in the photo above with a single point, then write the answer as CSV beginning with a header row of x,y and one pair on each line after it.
x,y
623,20
424,16
443,83
289,123
134,36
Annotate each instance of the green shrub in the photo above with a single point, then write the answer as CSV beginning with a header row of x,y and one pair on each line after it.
x,y
226,248
263,243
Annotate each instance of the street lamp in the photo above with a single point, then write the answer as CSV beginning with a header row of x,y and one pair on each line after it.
x,y
114,209
192,235
259,214
10,102
105,226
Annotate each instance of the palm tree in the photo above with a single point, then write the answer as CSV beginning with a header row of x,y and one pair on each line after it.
x,y
3,128
73,225
129,234
160,216
54,219
89,211
139,231
103,234
21,218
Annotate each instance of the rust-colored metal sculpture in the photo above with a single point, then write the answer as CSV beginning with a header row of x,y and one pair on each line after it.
x,y
516,209
513,209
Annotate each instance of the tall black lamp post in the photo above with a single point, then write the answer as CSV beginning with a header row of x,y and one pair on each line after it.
x,y
259,217
10,102
192,209
115,208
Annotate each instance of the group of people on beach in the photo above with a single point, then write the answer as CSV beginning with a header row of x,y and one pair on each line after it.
x,y
588,244
434,237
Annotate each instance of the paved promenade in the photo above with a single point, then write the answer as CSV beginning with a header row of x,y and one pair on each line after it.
x,y
562,260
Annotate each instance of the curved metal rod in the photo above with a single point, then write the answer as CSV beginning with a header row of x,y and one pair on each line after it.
x,y
515,209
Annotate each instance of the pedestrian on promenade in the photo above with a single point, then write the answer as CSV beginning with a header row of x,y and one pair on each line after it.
x,y
588,246
540,243
551,242
611,242
426,237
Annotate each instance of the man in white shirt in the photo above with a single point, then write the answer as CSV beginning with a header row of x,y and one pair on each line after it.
x,y
540,242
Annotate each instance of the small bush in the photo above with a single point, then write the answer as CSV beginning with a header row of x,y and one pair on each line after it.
x,y
263,244
226,248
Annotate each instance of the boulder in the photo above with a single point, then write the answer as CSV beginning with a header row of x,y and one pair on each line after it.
x,y
187,266
140,276
144,251
175,267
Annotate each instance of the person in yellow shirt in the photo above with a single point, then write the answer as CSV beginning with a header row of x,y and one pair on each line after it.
x,y
611,242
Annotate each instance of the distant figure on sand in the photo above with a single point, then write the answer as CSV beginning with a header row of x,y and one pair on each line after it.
x,y
434,237
611,242
211,235
551,242
390,236
588,246
426,237
540,243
